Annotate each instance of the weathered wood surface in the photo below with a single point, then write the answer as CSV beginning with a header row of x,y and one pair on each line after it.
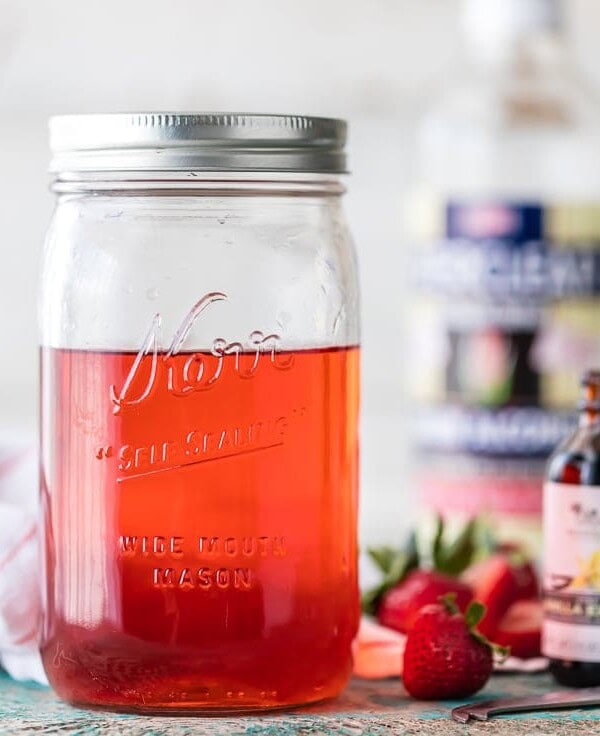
x,y
366,708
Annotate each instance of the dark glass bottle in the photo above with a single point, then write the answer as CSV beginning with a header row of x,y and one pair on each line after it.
x,y
572,548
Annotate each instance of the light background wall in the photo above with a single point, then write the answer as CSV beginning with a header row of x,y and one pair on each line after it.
x,y
375,62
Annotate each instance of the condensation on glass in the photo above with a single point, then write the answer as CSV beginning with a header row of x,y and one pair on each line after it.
x,y
200,373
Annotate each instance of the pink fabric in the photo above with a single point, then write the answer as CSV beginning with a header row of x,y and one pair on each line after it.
x,y
19,565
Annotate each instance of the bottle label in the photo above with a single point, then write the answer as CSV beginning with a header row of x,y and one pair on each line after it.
x,y
508,298
571,627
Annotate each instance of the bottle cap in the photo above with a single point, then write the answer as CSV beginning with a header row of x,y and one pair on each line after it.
x,y
590,382
591,378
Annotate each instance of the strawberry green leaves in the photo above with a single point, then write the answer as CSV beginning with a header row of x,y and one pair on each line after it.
x,y
395,564
450,558
474,613
473,616
454,557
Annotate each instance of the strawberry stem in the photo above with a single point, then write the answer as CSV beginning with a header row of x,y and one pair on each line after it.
x,y
448,600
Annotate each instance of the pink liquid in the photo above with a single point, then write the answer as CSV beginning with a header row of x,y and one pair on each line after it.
x,y
200,534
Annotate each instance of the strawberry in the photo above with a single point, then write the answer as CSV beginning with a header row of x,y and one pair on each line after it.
x,y
377,651
395,564
400,606
525,574
446,656
520,629
498,582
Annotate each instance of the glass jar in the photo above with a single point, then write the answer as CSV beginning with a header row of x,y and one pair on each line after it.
x,y
200,377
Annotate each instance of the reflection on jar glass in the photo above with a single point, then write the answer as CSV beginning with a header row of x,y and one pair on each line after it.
x,y
200,374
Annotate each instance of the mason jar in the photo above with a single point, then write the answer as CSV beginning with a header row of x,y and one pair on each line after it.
x,y
200,380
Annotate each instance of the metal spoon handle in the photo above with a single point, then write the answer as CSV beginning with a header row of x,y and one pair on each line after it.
x,y
548,701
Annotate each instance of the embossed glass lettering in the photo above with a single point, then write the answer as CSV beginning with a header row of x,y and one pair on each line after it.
x,y
200,371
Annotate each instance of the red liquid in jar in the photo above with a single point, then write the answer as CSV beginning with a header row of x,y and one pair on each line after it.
x,y
200,517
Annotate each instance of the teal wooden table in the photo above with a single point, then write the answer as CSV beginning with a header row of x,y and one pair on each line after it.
x,y
366,708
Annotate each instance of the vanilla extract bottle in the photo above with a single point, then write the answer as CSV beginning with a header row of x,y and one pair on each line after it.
x,y
571,630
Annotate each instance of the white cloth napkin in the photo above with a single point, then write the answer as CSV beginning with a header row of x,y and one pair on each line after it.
x,y
19,566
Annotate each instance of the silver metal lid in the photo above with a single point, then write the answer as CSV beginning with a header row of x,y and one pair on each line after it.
x,y
196,142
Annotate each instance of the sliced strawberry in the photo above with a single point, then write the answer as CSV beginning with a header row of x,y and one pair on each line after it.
x,y
498,583
378,651
527,581
400,605
525,573
520,629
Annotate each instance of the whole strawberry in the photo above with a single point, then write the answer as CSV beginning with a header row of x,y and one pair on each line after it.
x,y
400,606
445,656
